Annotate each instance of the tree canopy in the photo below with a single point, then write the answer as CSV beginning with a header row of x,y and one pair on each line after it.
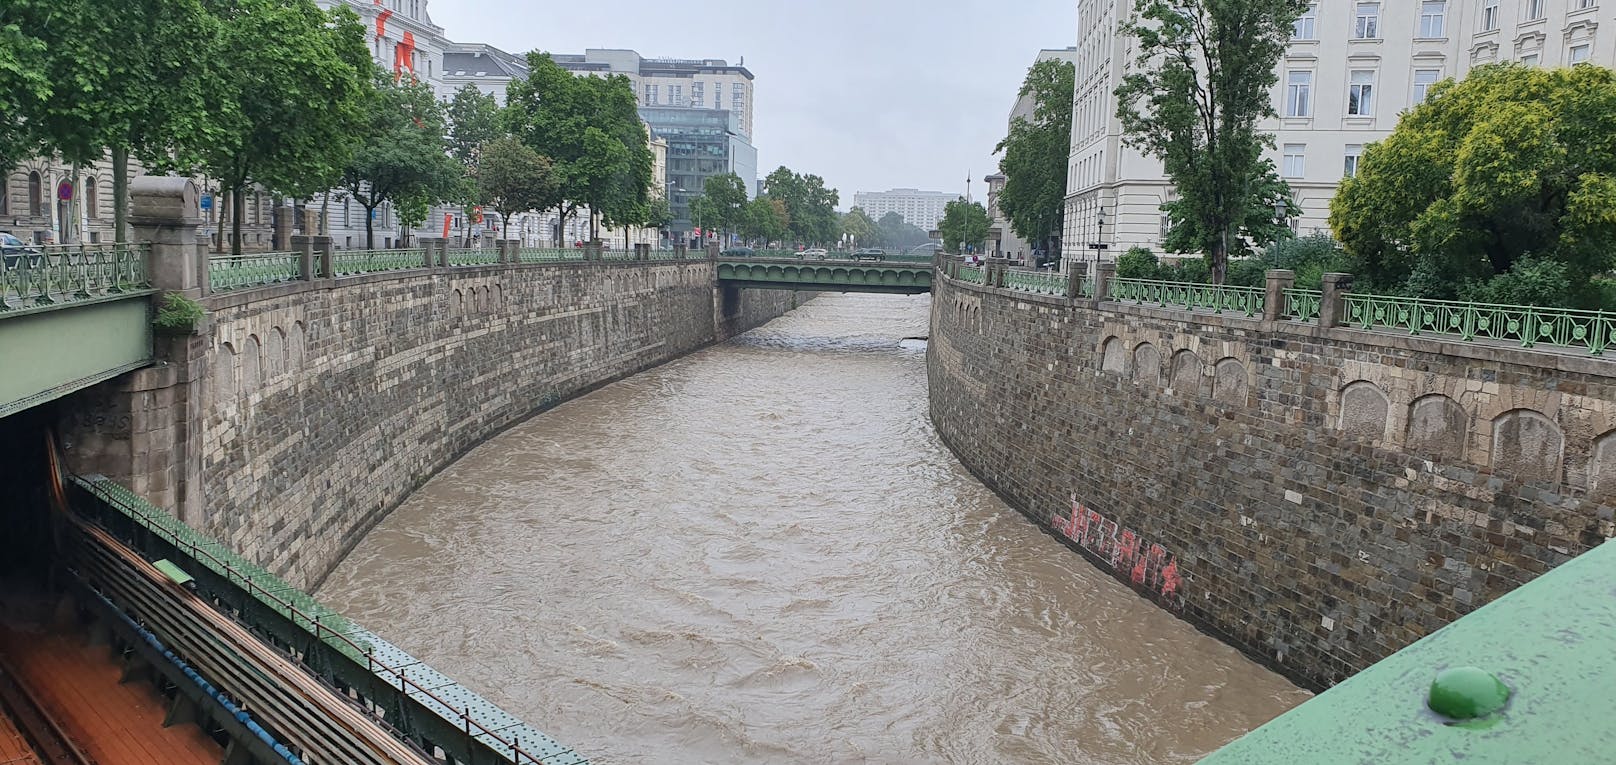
x,y
1035,154
1501,188
722,204
766,219
1202,81
897,232
965,224
810,207
857,226
400,155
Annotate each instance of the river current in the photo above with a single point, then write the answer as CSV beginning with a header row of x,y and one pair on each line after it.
x,y
762,553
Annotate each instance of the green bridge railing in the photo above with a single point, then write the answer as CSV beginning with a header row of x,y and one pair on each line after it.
x,y
1527,325
353,262
473,257
47,276
1303,305
227,273
1036,282
1214,297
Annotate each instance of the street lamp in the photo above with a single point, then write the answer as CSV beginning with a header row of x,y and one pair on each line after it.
x,y
1099,244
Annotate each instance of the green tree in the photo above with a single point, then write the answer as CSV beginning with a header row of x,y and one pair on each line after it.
x,y
723,203
810,206
965,224
858,226
1201,83
292,83
515,179
766,220
1035,153
400,154
897,232
473,121
1508,176
25,82
1139,263
590,128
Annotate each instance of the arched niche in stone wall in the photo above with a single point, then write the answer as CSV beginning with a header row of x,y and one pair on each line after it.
x,y
1229,381
296,346
252,365
274,353
224,371
457,304
1364,408
1114,356
1528,445
1147,364
1602,470
1187,370
1437,427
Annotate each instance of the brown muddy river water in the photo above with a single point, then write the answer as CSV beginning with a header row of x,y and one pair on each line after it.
x,y
762,553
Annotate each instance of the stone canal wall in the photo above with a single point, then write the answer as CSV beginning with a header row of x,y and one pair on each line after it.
x,y
306,411
1317,497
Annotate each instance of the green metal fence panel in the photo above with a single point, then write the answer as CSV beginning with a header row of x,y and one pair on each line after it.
x,y
477,257
1527,325
972,275
547,255
227,273
1036,282
351,262
1303,305
1216,298
617,255
45,276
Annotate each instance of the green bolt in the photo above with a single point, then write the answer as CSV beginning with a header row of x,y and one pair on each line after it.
x,y
1466,693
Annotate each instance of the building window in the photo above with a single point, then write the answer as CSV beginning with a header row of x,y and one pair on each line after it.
x,y
36,194
676,95
718,95
92,199
698,95
1305,24
1423,80
651,94
1534,10
1433,19
1580,53
1361,93
1350,168
1295,164
1299,94
1368,26
1583,5
1489,15
1529,59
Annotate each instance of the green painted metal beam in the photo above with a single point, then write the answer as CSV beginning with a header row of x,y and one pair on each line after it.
x,y
51,352
1551,644
828,276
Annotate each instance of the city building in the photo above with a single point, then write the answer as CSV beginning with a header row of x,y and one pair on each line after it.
x,y
919,208
485,67
1352,67
1002,239
701,143
679,83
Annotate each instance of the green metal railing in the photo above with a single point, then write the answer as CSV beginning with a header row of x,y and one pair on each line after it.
x,y
618,255
1212,297
668,255
1530,326
351,262
547,255
45,276
237,272
1303,305
479,257
972,275
1036,282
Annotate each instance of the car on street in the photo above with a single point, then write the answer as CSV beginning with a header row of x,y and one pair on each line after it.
x,y
870,253
815,253
13,250
738,252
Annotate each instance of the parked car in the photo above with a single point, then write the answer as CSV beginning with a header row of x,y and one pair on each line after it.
x,y
870,253
14,250
738,252
815,253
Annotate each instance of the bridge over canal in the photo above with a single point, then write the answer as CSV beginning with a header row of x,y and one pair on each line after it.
x,y
900,275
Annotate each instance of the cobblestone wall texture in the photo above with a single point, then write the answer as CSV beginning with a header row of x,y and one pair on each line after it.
x,y
1317,497
324,404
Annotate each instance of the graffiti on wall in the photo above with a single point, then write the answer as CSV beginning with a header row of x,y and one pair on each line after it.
x,y
1140,561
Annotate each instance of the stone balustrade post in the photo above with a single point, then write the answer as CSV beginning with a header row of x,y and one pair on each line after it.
x,y
325,246
281,227
997,268
303,245
1279,280
204,251
1074,283
508,249
443,253
1333,307
712,251
642,251
1104,272
681,251
429,246
165,215
592,251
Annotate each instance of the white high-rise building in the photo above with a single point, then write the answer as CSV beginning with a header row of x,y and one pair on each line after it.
x,y
1352,67
918,208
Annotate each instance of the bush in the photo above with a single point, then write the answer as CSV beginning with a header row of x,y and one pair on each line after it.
x,y
1138,263
1193,270
1247,272
178,314
1535,281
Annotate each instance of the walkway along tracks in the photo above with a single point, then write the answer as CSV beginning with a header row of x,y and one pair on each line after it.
x,y
370,680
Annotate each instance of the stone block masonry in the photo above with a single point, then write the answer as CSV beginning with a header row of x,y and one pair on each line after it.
x,y
315,407
1317,497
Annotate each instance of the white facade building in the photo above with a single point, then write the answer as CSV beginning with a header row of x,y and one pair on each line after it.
x,y
1352,67
1002,239
918,208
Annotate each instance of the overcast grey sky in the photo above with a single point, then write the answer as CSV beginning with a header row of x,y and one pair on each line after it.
x,y
870,94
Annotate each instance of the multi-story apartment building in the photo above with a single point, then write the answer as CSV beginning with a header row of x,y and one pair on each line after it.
x,y
1002,239
1352,67
709,83
919,208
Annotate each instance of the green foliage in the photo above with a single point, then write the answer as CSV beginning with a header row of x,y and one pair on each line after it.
x,y
1192,270
515,179
1138,263
473,121
810,207
400,154
859,227
25,84
965,224
722,204
897,232
1202,81
290,88
1035,153
661,213
1497,177
1310,257
178,313
1247,272
766,220
590,128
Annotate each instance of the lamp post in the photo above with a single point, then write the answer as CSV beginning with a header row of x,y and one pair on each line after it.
x,y
1099,245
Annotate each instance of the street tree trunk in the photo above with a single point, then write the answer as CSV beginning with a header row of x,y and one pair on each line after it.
x,y
238,209
120,194
370,228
